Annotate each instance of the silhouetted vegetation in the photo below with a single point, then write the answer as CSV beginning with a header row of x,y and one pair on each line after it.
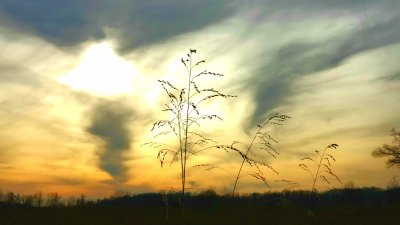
x,y
323,166
185,113
184,108
390,151
337,206
261,141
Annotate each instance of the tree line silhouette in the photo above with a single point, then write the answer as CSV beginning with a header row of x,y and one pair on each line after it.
x,y
336,206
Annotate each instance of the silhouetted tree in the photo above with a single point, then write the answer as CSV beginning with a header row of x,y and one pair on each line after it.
x,y
394,183
10,198
349,185
28,200
81,201
391,151
38,200
53,200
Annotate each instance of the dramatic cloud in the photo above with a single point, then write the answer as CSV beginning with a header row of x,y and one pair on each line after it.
x,y
136,23
299,58
331,65
110,122
61,22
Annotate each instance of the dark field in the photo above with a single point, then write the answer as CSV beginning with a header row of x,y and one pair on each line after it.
x,y
345,206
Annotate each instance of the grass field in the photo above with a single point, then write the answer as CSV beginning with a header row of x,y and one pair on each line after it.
x,y
345,206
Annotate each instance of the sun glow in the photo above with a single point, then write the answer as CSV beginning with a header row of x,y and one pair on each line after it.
x,y
101,72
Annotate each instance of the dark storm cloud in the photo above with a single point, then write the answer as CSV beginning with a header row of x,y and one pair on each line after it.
x,y
301,58
110,122
68,23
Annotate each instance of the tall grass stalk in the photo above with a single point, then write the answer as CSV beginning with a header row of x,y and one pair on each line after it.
x,y
261,142
323,168
184,106
265,144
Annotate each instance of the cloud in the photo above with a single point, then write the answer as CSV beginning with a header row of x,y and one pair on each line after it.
x,y
138,23
24,90
294,55
67,181
12,74
60,22
300,58
109,121
393,77
135,24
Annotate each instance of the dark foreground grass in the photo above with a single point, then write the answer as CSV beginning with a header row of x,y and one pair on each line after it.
x,y
352,206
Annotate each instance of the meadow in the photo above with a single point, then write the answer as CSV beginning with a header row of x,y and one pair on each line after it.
x,y
366,206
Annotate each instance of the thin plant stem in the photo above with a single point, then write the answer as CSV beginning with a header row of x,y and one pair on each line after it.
x,y
247,152
187,125
180,149
318,172
319,166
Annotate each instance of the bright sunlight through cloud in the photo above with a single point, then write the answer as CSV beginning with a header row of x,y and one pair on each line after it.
x,y
101,72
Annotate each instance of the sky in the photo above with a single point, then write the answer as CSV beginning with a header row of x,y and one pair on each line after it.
x,y
79,90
